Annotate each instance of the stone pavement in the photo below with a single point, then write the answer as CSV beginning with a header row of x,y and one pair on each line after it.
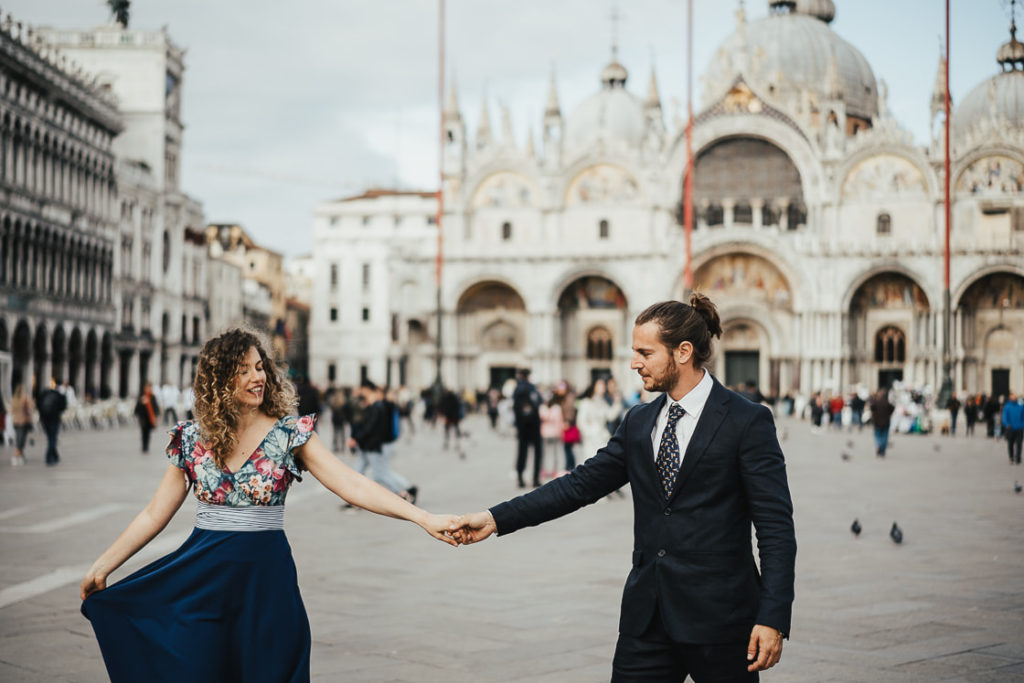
x,y
387,603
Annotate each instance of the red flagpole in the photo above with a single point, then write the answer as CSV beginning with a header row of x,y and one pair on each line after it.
x,y
688,181
440,187
946,390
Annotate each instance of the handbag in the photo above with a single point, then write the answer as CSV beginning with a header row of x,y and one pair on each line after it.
x,y
571,434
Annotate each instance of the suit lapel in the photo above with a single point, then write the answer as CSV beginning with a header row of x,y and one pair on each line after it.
x,y
715,410
644,429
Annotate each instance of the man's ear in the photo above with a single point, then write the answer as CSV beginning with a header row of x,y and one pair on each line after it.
x,y
683,353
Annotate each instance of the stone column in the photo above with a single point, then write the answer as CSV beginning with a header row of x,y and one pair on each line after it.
x,y
783,205
728,212
757,209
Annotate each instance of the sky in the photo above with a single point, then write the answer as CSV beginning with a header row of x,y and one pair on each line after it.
x,y
287,105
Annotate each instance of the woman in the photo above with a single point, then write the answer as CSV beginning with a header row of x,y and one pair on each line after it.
x,y
552,426
592,417
22,409
226,606
146,410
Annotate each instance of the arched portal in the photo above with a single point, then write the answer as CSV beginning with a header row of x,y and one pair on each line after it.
x,y
21,355
491,327
106,365
92,355
755,301
991,321
40,358
593,322
59,355
891,335
75,358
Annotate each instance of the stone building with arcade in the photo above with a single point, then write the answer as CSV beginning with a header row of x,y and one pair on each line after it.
x,y
819,230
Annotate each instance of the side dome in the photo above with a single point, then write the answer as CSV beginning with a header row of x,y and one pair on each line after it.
x,y
999,100
612,113
793,50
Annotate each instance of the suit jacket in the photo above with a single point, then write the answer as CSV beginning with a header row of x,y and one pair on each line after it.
x,y
692,555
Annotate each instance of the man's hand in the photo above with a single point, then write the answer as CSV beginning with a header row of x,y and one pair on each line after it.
x,y
765,648
473,528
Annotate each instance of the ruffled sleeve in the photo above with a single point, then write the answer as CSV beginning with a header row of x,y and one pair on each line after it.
x,y
179,449
299,429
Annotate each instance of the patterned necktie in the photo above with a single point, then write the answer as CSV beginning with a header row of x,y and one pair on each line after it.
x,y
668,451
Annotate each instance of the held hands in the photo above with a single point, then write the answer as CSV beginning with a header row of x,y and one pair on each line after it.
x,y
765,648
440,527
473,528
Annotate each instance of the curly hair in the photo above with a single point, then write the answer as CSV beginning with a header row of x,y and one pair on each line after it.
x,y
216,407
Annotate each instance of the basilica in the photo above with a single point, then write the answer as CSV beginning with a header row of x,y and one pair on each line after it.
x,y
819,231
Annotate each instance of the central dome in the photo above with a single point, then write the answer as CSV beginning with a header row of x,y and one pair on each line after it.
x,y
612,114
793,50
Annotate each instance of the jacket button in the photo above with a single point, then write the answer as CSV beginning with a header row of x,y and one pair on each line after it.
x,y
668,511
661,553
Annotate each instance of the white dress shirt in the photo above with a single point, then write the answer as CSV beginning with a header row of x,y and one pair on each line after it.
x,y
693,404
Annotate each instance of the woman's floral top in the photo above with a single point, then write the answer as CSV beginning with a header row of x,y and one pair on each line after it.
x,y
263,479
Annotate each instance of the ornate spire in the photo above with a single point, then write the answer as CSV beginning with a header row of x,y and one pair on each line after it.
x,y
531,151
653,100
833,83
483,129
1011,53
507,136
552,108
939,91
451,103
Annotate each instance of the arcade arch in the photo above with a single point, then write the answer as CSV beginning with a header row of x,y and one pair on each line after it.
x,y
593,321
491,327
990,321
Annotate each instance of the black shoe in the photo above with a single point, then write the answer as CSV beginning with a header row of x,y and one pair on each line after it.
x,y
412,491
536,483
521,483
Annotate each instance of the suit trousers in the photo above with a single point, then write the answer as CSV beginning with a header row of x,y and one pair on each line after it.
x,y
655,657
529,435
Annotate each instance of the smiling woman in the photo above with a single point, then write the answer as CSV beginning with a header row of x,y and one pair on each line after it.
x,y
201,612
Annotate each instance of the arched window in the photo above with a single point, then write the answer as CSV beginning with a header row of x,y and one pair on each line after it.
x,y
884,224
603,229
890,345
167,250
506,231
599,344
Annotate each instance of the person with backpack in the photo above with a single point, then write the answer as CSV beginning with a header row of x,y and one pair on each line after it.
x,y
52,405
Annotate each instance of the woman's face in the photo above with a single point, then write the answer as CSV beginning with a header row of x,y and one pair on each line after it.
x,y
251,380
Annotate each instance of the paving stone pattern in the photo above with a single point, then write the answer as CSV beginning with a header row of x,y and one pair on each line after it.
x,y
387,603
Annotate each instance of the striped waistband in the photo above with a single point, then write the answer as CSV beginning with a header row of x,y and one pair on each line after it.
x,y
250,518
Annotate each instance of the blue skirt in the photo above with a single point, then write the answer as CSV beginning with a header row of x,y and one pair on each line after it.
x,y
223,607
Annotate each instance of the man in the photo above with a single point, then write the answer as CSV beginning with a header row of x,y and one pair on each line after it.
x,y
881,417
953,405
703,464
1013,426
52,405
526,408
371,434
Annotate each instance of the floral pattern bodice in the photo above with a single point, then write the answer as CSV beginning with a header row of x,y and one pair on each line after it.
x,y
263,479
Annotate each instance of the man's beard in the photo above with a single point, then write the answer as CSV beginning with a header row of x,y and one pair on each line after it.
x,y
667,381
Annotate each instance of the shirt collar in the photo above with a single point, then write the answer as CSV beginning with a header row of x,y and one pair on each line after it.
x,y
693,402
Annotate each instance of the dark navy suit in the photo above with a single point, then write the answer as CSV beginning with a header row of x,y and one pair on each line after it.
x,y
692,558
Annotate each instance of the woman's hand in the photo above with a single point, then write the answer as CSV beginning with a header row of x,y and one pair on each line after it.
x,y
92,583
439,527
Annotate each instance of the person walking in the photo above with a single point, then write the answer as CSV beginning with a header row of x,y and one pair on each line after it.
x,y
989,411
52,405
22,410
146,412
450,408
338,400
881,417
526,408
226,606
970,414
1013,426
552,427
704,465
953,406
371,434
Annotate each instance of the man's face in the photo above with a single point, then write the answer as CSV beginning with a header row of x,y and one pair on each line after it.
x,y
652,360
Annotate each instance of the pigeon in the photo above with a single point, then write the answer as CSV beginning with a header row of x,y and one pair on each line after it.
x,y
1017,487
845,456
896,534
855,527
849,443
936,448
